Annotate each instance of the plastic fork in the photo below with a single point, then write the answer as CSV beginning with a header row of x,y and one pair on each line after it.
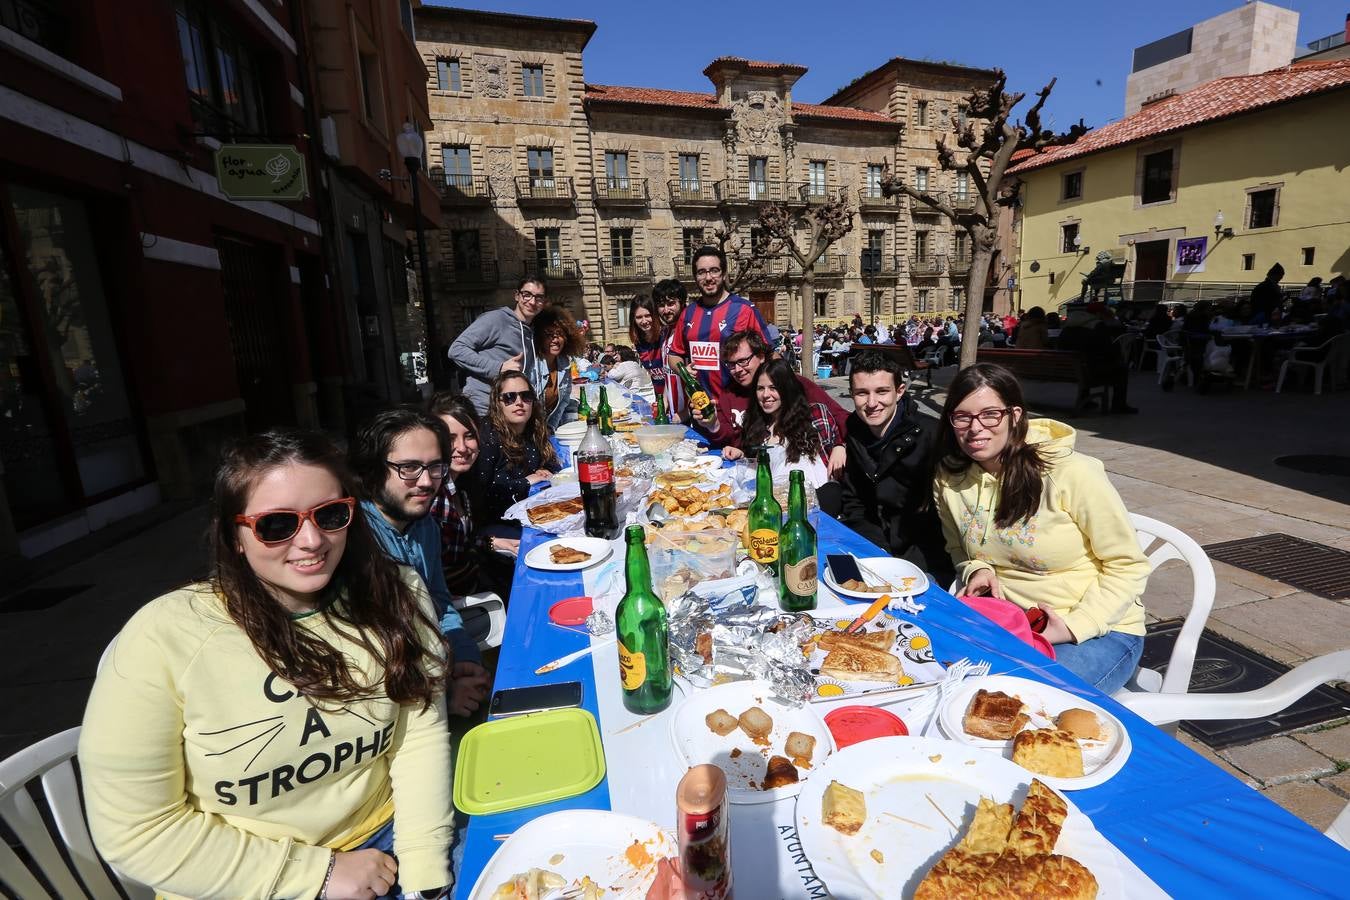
x,y
571,892
923,710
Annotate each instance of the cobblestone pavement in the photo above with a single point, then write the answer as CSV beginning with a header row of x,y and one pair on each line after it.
x,y
1204,464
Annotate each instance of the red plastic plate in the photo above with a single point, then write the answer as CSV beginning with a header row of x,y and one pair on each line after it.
x,y
854,724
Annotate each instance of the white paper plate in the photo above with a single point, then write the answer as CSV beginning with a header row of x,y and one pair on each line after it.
x,y
888,567
598,548
912,778
696,744
702,463
1101,759
591,843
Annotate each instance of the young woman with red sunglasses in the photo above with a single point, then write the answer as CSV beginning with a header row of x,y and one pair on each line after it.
x,y
259,733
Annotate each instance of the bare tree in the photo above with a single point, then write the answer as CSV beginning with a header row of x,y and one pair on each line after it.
x,y
805,232
986,139
750,262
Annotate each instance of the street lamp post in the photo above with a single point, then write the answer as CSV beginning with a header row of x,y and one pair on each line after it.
x,y
410,148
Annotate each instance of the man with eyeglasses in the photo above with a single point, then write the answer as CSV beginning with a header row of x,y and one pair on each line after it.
x,y
743,354
888,480
697,336
399,457
501,339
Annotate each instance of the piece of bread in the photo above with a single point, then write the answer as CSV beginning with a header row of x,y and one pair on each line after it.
x,y
561,554
1048,751
994,715
800,747
877,640
552,512
1082,724
756,724
781,772
703,645
843,808
721,722
851,663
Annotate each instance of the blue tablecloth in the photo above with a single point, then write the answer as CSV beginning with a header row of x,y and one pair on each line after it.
x,y
1188,825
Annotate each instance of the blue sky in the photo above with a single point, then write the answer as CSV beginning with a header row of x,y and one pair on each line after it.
x,y
1087,44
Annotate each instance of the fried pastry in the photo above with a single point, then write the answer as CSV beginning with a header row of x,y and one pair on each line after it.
x,y
781,772
564,555
756,724
848,662
1048,751
994,715
552,512
720,722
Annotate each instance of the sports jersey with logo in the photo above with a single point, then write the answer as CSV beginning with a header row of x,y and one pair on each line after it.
x,y
699,332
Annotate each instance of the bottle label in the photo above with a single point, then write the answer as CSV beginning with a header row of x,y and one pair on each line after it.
x,y
632,668
764,545
800,579
596,474
698,401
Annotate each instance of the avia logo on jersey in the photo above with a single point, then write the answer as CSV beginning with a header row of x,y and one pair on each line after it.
x,y
705,355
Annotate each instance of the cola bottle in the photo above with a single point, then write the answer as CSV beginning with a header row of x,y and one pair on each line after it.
x,y
595,473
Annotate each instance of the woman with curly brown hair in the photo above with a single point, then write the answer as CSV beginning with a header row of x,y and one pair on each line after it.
x,y
557,342
258,734
514,453
780,415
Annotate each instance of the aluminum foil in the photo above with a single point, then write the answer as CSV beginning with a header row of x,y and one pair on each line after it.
x,y
599,623
749,640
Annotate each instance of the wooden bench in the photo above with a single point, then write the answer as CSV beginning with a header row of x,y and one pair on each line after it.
x,y
1062,366
901,354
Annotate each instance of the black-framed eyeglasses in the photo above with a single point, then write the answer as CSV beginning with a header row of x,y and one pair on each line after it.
x,y
412,470
277,526
742,363
989,418
699,273
531,295
509,397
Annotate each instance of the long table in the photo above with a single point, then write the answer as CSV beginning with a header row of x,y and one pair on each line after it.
x,y
1191,828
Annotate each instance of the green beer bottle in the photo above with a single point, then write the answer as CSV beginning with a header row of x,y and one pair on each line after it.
x,y
766,517
644,634
661,417
699,401
797,549
605,413
583,406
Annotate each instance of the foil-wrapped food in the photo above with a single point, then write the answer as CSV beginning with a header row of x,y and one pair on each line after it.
x,y
719,632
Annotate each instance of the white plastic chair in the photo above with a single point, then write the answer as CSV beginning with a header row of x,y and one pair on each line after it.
x,y
1173,543
1280,694
1336,358
484,617
1171,357
48,765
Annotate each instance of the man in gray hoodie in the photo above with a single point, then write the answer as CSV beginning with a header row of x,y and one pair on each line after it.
x,y
500,340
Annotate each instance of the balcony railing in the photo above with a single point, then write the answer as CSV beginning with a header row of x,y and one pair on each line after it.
x,y
960,264
925,264
629,269
683,268
831,265
541,189
691,193
748,190
918,207
963,202
875,264
814,192
555,269
38,22
465,190
871,198
620,191
484,275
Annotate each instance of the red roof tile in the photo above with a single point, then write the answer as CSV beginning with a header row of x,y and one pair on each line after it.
x,y
694,100
756,64
1218,99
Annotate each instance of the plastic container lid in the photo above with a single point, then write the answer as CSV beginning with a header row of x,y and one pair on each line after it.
x,y
572,611
855,724
526,760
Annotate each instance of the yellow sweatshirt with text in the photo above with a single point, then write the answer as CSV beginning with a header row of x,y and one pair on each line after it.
x,y
205,775
1078,553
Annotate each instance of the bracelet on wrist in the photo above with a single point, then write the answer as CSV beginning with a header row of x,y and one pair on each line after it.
x,y
328,876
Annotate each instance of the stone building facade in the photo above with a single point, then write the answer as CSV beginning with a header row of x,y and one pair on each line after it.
x,y
608,189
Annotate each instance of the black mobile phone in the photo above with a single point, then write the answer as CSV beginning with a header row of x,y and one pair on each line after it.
x,y
843,567
536,698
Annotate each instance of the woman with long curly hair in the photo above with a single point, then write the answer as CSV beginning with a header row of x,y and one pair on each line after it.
x,y
781,416
1029,519
644,330
260,733
514,453
557,342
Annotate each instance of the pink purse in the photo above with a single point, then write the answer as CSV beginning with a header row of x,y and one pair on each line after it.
x,y
1012,618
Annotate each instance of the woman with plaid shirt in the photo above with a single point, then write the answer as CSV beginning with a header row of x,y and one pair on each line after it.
x,y
780,416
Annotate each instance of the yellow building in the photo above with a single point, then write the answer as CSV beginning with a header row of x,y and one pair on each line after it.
x,y
1199,193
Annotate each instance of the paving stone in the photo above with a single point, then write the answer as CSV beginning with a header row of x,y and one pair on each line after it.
x,y
1250,580
1310,801
1279,759
1333,743
1311,624
1340,783
1209,754
1261,643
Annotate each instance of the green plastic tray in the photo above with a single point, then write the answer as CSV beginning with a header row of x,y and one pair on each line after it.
x,y
523,761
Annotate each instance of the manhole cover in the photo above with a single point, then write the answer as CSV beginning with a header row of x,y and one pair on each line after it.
x,y
1315,568
1315,464
1226,667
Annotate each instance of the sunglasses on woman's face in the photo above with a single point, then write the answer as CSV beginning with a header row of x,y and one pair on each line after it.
x,y
510,397
277,526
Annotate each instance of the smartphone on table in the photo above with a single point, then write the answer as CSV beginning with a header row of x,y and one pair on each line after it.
x,y
536,698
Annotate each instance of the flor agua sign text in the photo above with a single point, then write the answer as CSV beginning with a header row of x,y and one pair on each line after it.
x,y
261,172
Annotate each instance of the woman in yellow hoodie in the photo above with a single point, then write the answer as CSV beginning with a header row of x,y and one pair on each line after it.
x,y
258,734
1028,519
